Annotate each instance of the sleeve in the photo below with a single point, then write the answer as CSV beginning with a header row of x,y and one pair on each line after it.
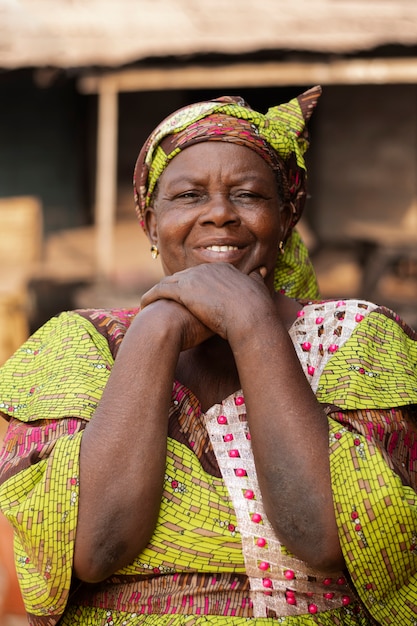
x,y
49,389
41,502
377,520
60,371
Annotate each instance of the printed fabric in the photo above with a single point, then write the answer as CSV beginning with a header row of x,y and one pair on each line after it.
x,y
361,361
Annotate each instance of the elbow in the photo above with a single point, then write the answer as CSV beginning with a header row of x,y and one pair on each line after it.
x,y
319,547
320,554
90,574
100,553
324,559
95,565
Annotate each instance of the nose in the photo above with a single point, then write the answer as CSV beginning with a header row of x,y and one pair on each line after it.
x,y
220,211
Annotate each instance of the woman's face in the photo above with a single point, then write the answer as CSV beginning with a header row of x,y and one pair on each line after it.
x,y
218,201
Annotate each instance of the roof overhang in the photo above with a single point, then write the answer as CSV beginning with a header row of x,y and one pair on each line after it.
x,y
255,74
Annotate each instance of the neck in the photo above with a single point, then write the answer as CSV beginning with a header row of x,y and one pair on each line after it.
x,y
209,371
214,348
215,356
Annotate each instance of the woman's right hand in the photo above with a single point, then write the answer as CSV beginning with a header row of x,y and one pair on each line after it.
x,y
191,331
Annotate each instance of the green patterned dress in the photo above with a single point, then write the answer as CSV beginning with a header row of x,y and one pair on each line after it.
x,y
213,558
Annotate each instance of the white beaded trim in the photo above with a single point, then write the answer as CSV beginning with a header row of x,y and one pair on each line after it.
x,y
321,329
287,586
280,583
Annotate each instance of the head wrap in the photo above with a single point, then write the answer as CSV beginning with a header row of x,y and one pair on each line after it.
x,y
280,137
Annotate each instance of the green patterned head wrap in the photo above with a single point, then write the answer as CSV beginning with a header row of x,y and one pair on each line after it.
x,y
280,137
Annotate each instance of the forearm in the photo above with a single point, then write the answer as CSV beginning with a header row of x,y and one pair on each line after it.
x,y
290,442
289,429
123,453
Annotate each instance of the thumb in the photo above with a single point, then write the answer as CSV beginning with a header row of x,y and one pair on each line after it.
x,y
259,273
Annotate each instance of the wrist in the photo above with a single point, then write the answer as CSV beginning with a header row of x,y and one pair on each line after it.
x,y
157,323
258,324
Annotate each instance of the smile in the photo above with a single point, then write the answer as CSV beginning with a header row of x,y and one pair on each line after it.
x,y
222,248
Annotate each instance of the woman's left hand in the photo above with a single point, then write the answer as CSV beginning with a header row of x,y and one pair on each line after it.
x,y
219,295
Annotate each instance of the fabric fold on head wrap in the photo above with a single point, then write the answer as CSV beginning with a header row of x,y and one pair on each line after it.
x,y
280,137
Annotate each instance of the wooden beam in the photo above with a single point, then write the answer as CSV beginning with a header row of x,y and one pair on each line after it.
x,y
106,177
263,74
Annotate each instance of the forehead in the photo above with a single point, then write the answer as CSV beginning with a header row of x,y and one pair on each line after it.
x,y
217,157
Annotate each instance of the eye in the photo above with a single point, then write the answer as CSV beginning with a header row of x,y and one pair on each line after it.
x,y
188,194
247,195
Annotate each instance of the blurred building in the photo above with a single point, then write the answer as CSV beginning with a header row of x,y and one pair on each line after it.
x,y
83,82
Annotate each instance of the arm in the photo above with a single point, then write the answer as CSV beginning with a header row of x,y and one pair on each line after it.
x,y
290,440
123,452
289,429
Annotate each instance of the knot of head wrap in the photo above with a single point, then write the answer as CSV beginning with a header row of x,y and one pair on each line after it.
x,y
280,137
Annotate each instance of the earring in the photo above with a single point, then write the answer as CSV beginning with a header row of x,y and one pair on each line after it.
x,y
281,247
154,251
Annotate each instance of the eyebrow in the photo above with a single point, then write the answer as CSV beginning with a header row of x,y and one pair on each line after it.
x,y
241,177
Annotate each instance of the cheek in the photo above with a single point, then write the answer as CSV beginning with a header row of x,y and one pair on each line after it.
x,y
269,230
173,223
172,234
269,237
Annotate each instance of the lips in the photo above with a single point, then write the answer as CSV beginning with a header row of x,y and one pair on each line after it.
x,y
222,252
223,248
227,252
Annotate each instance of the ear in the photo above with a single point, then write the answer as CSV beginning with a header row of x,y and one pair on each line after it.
x,y
151,225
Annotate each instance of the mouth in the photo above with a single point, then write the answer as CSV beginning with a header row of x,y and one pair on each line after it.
x,y
223,252
215,248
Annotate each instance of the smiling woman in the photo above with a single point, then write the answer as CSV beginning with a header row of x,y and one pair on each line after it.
x,y
226,209
234,451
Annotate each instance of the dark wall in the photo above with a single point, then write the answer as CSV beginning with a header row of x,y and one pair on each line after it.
x,y
139,113
48,139
44,147
365,158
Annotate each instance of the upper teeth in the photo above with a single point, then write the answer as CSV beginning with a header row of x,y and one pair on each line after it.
x,y
222,248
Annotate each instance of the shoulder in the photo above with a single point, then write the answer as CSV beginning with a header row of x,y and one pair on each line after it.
x,y
63,367
111,324
328,317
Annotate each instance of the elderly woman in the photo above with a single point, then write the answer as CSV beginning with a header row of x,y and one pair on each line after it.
x,y
229,455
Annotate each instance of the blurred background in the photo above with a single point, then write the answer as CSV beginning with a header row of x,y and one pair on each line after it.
x,y
82,84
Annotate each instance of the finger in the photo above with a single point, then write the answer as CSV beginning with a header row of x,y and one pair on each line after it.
x,y
259,272
148,297
160,291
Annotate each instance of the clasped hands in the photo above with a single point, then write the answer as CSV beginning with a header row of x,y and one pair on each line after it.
x,y
212,299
